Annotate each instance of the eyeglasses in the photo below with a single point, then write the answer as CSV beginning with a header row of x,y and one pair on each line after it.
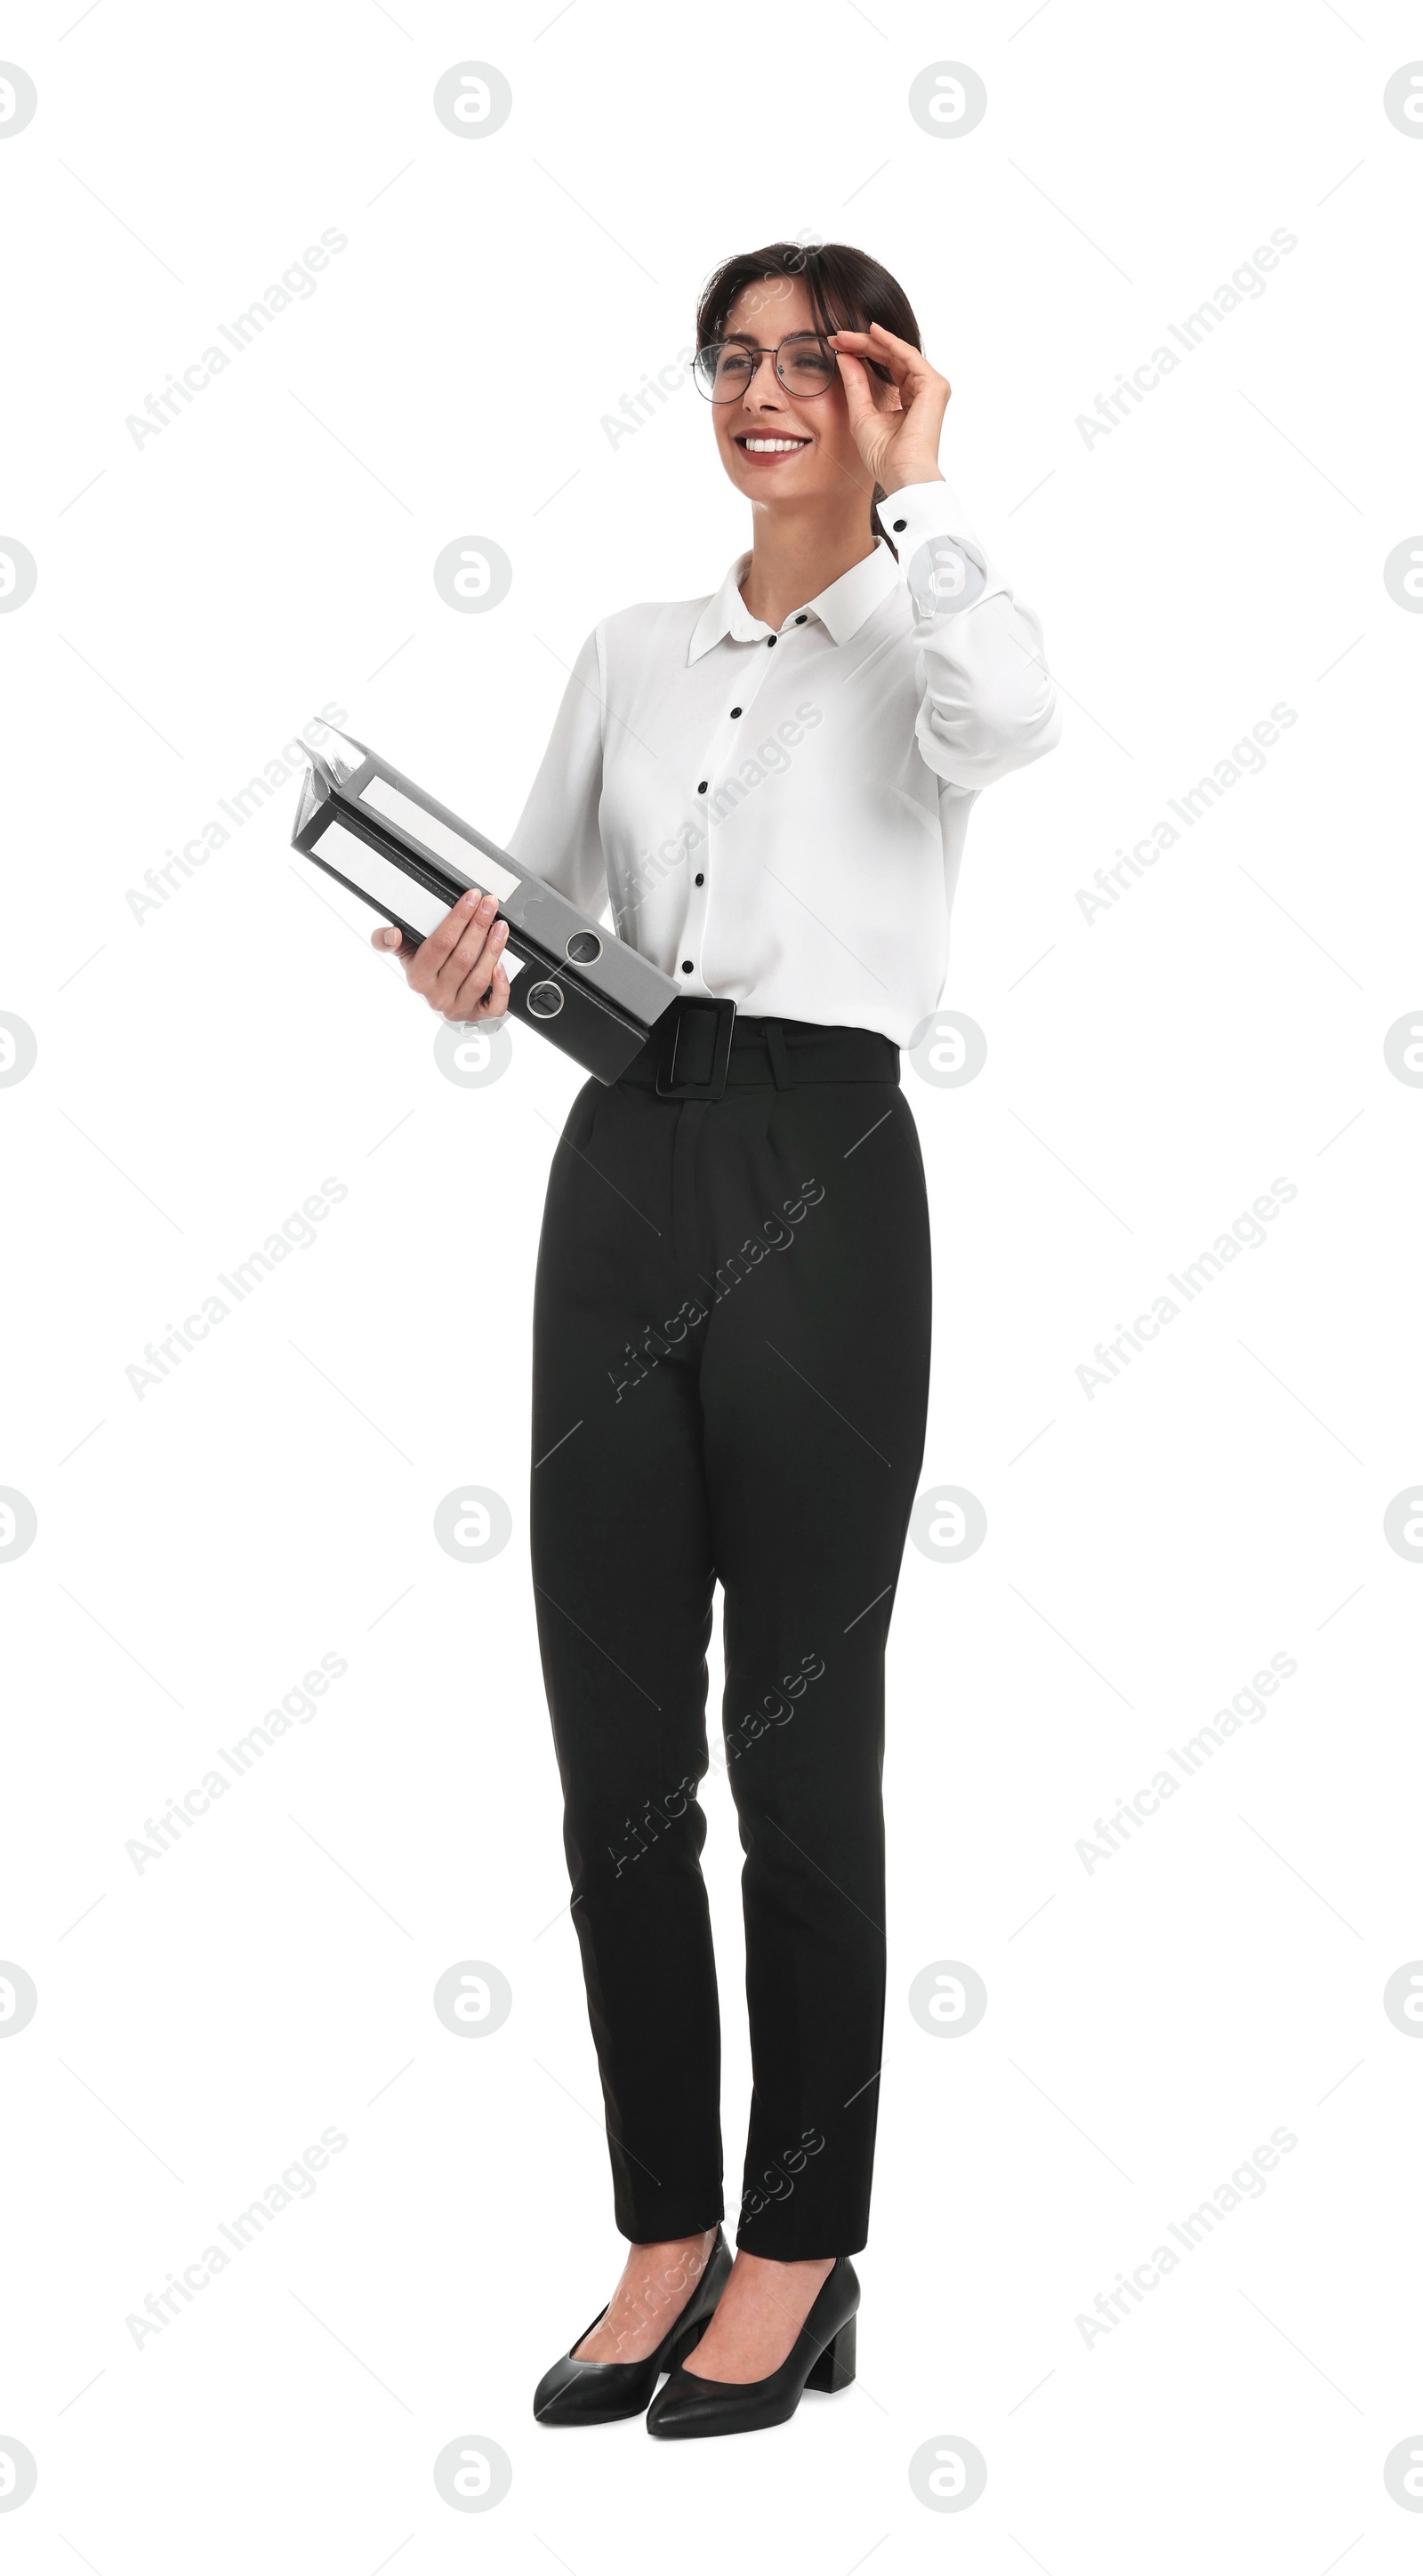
x,y
805,364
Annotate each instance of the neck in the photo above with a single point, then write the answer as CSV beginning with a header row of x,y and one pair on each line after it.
x,y
795,554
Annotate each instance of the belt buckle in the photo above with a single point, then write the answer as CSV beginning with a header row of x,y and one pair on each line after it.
x,y
668,1085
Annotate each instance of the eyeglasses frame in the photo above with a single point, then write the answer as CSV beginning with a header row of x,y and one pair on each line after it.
x,y
822,340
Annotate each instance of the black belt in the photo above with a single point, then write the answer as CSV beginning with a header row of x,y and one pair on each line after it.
x,y
699,1047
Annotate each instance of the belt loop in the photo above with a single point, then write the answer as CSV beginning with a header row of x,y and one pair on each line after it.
x,y
776,1049
679,1022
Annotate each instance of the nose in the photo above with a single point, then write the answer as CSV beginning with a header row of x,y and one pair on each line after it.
x,y
761,386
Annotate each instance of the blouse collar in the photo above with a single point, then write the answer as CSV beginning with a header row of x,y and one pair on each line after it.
x,y
842,607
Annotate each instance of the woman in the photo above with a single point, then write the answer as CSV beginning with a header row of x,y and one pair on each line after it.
x,y
732,1307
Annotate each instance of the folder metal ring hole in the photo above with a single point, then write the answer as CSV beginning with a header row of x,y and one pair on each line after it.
x,y
545,1001
584,948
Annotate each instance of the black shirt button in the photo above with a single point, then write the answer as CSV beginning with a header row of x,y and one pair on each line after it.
x,y
800,621
702,787
686,965
736,711
899,526
770,640
701,880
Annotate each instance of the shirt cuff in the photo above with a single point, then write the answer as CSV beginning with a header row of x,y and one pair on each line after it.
x,y
918,511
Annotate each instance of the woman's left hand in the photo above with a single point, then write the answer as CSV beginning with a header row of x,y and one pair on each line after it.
x,y
899,444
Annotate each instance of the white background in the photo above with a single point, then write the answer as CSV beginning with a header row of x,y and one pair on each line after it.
x,y
202,1068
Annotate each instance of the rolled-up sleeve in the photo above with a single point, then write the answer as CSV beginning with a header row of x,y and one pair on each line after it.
x,y
557,834
987,702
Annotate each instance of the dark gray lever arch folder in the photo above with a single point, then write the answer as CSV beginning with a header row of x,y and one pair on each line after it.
x,y
410,858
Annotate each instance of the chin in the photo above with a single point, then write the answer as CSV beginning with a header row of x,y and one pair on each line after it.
x,y
761,483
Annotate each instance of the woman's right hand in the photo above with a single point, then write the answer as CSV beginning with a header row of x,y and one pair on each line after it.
x,y
458,969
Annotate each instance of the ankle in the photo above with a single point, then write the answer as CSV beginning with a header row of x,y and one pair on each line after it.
x,y
660,2277
672,2261
769,2268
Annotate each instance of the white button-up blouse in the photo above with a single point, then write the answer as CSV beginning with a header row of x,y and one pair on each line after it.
x,y
780,816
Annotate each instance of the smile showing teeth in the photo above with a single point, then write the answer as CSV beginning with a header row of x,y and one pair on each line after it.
x,y
772,446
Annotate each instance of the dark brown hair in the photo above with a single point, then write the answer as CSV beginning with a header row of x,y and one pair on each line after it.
x,y
848,291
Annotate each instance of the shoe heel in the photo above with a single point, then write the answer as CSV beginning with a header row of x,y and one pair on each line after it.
x,y
835,2367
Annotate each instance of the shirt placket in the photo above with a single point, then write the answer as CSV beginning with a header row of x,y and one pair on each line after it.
x,y
746,668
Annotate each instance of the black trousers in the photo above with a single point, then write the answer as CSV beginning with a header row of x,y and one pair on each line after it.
x,y
731,1360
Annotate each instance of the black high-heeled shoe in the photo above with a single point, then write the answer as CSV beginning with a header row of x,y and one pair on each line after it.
x,y
601,2392
822,2356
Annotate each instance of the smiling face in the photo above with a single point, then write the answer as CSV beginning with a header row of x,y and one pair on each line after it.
x,y
779,446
